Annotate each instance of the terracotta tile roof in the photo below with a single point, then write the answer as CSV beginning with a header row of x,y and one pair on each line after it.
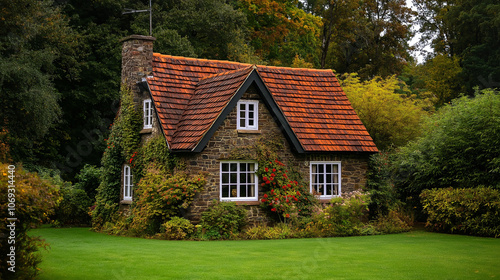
x,y
190,95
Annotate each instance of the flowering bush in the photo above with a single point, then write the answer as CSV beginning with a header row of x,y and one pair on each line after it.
x,y
161,196
283,195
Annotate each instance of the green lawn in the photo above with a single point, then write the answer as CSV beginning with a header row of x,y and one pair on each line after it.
x,y
77,253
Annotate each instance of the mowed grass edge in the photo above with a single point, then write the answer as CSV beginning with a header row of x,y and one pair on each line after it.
x,y
78,253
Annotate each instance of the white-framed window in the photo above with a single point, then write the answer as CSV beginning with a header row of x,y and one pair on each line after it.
x,y
248,114
148,113
238,181
127,183
325,178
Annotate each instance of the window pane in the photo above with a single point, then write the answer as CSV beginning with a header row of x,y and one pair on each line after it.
x,y
234,166
225,167
225,191
251,178
328,168
243,167
234,178
335,169
243,178
225,178
329,189
243,191
321,168
234,191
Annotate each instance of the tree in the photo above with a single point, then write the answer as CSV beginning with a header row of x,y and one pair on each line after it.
x,y
369,37
280,30
204,27
441,77
392,119
467,29
36,47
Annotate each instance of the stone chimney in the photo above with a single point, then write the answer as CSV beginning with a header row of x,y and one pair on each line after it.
x,y
137,59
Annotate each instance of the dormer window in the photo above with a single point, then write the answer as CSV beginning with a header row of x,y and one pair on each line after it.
x,y
248,115
148,113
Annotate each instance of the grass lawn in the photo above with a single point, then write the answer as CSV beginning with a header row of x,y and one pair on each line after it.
x,y
77,253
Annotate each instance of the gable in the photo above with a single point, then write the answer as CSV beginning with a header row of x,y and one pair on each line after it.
x,y
193,96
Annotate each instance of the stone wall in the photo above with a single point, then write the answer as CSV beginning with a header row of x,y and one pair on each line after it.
x,y
226,144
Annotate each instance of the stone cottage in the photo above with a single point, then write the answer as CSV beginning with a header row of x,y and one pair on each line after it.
x,y
206,109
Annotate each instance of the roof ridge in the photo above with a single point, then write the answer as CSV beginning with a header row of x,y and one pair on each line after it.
x,y
293,68
200,59
208,78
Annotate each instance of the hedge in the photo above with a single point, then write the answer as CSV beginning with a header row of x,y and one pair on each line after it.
x,y
473,211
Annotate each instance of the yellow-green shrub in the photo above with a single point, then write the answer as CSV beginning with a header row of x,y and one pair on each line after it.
x,y
467,211
35,200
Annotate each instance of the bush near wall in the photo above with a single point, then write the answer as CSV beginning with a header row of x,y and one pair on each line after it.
x,y
160,197
465,211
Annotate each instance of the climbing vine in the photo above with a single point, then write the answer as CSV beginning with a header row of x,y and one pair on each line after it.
x,y
122,143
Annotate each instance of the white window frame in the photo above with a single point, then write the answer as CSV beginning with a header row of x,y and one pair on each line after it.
x,y
322,180
249,122
127,183
226,178
147,106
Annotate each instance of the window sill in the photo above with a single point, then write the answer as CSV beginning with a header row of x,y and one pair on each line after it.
x,y
146,130
249,131
126,202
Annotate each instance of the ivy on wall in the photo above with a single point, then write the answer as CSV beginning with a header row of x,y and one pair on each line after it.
x,y
123,142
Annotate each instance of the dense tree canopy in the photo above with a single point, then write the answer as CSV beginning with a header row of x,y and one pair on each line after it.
x,y
469,30
36,47
367,37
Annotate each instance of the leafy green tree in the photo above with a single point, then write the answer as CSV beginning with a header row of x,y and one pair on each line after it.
x,y
201,28
392,119
36,47
441,77
367,37
467,29
280,30
460,148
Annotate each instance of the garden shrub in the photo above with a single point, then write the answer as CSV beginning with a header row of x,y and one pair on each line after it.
x,y
223,220
176,229
74,207
345,216
89,179
394,222
466,211
279,231
459,149
35,200
160,197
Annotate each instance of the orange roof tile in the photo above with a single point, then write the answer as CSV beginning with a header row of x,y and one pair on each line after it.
x,y
190,95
